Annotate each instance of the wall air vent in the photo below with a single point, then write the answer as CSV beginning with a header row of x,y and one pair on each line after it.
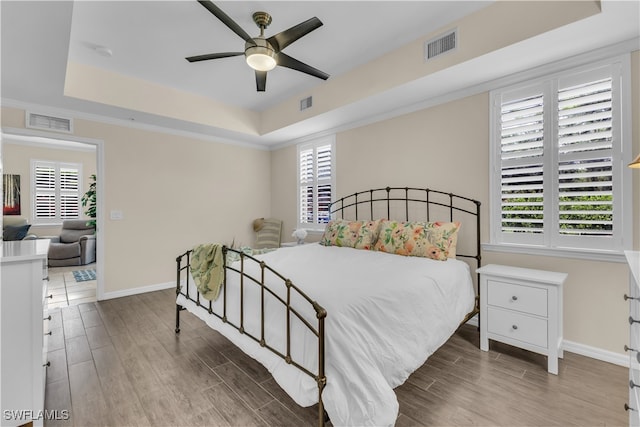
x,y
306,103
44,122
441,44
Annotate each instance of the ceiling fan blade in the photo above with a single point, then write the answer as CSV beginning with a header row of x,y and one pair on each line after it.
x,y
285,38
226,20
261,80
289,62
213,56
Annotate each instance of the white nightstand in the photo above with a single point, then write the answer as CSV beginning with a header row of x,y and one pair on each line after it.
x,y
522,307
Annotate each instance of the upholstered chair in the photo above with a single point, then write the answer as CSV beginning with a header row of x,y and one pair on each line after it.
x,y
268,233
76,244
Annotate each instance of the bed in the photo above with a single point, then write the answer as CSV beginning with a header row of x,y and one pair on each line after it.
x,y
342,326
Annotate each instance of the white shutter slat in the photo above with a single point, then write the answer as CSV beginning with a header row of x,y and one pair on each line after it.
x,y
521,183
306,205
522,128
57,191
315,164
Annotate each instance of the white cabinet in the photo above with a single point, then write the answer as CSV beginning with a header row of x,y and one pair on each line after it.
x,y
633,259
522,307
23,325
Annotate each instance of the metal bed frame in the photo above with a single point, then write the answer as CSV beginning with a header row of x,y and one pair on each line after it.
x,y
389,196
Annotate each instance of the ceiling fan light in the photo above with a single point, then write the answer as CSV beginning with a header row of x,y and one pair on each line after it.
x,y
261,58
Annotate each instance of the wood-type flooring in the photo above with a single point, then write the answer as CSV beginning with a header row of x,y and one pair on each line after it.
x,y
119,363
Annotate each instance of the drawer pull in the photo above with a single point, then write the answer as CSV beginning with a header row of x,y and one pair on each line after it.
x,y
627,297
628,408
632,384
632,320
50,296
47,364
514,298
47,318
514,327
49,333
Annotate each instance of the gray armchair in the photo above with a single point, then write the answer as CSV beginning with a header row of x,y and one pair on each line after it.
x,y
76,244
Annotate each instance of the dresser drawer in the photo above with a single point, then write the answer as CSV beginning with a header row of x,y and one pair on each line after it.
x,y
517,326
511,296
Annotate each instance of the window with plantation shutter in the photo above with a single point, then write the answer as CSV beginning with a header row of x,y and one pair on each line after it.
x,y
558,161
315,182
56,190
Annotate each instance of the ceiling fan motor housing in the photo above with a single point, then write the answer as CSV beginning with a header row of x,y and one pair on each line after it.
x,y
260,54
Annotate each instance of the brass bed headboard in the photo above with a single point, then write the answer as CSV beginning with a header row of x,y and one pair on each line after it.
x,y
413,203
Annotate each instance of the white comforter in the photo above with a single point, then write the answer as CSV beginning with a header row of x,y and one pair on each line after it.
x,y
386,315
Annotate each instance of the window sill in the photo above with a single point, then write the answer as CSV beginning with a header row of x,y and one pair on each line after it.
x,y
575,253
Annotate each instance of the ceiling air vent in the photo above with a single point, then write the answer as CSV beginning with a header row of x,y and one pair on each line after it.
x,y
306,103
441,44
44,122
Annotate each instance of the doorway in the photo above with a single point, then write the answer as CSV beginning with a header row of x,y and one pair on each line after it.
x,y
69,284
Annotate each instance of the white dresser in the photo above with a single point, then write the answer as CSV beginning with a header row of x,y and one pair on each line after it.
x,y
23,331
633,259
522,307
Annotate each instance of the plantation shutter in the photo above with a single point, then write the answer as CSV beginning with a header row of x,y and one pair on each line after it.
x,y
316,176
323,165
558,161
69,193
56,191
45,191
522,163
307,213
585,157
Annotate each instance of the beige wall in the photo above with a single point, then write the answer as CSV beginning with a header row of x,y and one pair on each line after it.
x,y
447,147
174,192
17,160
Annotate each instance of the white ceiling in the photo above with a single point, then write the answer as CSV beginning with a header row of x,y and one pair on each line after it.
x,y
353,33
150,39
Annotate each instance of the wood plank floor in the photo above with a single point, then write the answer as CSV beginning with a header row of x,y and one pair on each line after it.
x,y
119,363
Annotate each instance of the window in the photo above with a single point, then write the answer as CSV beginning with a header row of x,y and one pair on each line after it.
x,y
56,191
316,182
559,155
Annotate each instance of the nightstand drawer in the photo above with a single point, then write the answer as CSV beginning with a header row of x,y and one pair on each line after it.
x,y
522,298
517,326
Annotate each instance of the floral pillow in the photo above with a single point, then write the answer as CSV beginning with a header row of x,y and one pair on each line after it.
x,y
352,234
435,240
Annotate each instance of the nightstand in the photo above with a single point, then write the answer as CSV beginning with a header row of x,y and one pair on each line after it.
x,y
522,307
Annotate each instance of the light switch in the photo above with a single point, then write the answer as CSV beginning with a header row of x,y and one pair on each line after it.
x,y
116,215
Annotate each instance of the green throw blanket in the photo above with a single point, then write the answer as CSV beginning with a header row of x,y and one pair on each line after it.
x,y
207,267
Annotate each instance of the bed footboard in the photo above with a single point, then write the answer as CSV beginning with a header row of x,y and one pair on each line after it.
x,y
247,279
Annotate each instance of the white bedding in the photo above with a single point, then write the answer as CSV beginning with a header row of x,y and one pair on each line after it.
x,y
386,314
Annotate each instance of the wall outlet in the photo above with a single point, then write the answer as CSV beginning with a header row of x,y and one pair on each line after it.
x,y
116,215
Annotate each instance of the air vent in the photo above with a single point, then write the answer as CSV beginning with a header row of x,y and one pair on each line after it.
x,y
306,103
41,121
441,44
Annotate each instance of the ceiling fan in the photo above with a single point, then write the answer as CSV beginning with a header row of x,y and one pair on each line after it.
x,y
263,54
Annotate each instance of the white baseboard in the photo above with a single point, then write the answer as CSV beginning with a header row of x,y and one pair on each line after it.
x,y
583,350
596,353
136,291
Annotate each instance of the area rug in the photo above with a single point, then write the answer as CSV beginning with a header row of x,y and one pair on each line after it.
x,y
84,275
